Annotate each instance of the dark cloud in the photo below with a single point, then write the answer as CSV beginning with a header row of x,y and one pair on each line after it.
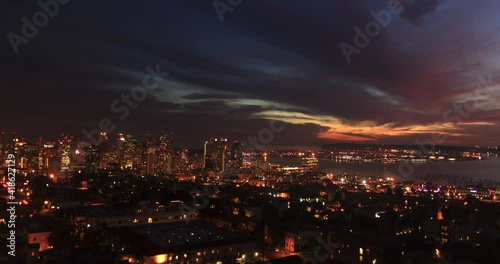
x,y
266,56
415,10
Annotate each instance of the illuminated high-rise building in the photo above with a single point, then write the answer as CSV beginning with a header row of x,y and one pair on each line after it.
x,y
182,161
12,147
208,157
145,149
21,156
149,162
165,141
103,139
129,153
65,146
29,156
215,154
104,149
92,161
17,150
120,148
236,155
148,150
164,154
46,158
163,163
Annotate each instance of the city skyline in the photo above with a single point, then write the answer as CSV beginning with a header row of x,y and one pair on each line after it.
x,y
246,144
250,132
230,78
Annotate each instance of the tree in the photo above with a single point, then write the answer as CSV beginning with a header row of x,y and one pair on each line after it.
x,y
39,186
398,192
391,215
271,218
63,237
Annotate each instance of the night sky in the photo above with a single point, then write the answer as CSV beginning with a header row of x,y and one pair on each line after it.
x,y
268,60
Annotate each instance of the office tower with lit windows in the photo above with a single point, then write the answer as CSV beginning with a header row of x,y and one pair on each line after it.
x,y
92,161
147,151
120,148
129,153
29,156
165,141
164,154
47,155
78,155
182,161
21,154
163,163
214,153
235,155
104,149
17,147
148,155
208,157
40,155
64,149
104,141
12,146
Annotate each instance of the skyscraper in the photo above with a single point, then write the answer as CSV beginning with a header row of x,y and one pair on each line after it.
x,y
12,145
120,148
47,159
129,153
92,161
182,161
29,156
149,162
164,154
165,141
64,147
104,150
215,154
235,156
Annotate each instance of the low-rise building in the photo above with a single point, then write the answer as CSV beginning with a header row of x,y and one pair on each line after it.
x,y
301,237
194,242
143,215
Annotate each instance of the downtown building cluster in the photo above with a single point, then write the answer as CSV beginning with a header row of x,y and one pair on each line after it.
x,y
68,154
219,157
154,156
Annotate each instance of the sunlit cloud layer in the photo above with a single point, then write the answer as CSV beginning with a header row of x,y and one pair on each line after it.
x,y
367,130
